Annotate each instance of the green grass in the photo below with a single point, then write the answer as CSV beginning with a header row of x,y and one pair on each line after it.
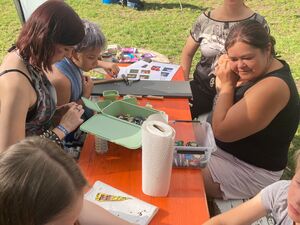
x,y
161,26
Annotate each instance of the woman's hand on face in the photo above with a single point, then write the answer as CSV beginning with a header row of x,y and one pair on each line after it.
x,y
224,73
72,118
87,86
112,69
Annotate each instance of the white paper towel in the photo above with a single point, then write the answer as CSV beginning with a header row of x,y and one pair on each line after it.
x,y
161,116
157,157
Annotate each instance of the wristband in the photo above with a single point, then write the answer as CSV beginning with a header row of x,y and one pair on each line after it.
x,y
63,129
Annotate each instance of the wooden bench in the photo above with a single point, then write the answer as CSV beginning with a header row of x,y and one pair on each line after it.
x,y
220,206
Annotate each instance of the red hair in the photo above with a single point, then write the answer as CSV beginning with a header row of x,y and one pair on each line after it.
x,y
53,22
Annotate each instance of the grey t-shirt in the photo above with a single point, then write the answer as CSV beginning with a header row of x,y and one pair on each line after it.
x,y
211,35
274,199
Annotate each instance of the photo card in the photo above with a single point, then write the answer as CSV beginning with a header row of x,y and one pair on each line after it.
x,y
144,77
131,75
167,69
134,71
145,71
165,74
155,68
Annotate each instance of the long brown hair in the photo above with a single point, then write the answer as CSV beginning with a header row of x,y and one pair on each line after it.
x,y
37,182
53,22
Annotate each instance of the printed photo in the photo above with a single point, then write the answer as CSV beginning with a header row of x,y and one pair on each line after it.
x,y
167,69
131,75
145,71
144,77
165,74
156,68
133,71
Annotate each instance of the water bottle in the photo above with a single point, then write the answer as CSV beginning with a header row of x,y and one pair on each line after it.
x,y
101,145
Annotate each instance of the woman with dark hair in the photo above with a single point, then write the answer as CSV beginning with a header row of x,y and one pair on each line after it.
x,y
27,98
255,116
42,185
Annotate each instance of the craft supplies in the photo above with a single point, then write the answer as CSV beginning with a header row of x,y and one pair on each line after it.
x,y
107,57
148,105
106,124
192,150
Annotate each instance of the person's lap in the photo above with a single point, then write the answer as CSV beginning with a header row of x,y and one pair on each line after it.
x,y
230,178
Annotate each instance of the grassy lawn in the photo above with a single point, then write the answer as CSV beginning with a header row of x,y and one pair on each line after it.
x,y
161,26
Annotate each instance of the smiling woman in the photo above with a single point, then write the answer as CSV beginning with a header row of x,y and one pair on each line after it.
x,y
255,116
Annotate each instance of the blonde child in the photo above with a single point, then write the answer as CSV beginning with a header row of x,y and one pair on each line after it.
x,y
42,185
282,199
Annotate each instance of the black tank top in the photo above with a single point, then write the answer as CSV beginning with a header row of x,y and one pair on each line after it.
x,y
268,148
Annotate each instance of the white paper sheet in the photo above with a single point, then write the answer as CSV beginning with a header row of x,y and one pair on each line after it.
x,y
149,71
131,209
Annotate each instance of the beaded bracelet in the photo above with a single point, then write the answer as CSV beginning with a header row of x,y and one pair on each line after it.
x,y
63,129
52,136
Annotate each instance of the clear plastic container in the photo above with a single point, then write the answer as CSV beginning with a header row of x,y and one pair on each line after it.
x,y
203,144
101,145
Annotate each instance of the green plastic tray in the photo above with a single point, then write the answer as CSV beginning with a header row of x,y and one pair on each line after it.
x,y
106,125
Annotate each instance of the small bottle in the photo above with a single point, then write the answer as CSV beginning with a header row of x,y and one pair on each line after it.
x,y
101,145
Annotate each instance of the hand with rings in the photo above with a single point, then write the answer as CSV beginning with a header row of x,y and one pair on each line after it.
x,y
72,119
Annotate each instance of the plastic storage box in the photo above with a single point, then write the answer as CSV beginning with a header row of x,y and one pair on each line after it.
x,y
199,136
106,125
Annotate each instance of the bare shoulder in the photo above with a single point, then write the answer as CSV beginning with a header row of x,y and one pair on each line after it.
x,y
57,77
13,84
271,90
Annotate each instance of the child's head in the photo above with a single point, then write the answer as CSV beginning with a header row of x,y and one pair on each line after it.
x,y
294,192
39,184
88,50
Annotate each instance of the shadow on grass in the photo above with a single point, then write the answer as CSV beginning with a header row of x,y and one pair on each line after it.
x,y
156,6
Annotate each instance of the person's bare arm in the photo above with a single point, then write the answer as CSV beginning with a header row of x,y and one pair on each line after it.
x,y
62,85
111,68
16,97
91,214
259,106
246,213
187,56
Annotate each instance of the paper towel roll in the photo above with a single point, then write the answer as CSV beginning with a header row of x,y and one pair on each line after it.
x,y
157,157
161,116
